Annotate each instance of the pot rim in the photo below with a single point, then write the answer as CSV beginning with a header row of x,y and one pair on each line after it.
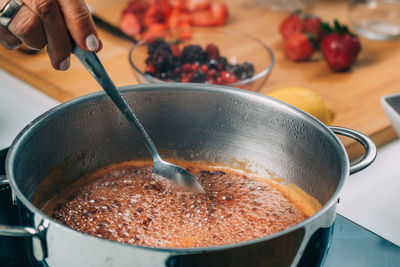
x,y
27,131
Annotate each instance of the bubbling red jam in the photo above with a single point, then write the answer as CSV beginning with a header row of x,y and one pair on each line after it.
x,y
123,203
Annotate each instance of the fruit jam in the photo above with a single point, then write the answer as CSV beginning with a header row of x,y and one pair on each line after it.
x,y
123,203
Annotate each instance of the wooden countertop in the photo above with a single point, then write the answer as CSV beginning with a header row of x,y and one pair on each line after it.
x,y
354,95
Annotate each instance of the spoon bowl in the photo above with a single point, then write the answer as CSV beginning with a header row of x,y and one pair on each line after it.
x,y
175,173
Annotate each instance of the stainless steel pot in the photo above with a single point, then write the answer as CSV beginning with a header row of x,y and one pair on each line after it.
x,y
194,122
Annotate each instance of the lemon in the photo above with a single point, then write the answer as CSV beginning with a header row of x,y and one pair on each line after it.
x,y
306,100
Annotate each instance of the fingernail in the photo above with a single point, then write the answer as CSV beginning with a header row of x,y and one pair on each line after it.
x,y
91,43
32,48
64,65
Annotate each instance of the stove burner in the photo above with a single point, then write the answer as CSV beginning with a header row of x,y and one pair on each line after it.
x,y
352,245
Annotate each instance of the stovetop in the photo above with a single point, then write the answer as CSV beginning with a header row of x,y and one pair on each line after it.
x,y
352,245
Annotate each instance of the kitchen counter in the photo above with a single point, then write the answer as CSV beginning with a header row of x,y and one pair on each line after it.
x,y
369,199
353,95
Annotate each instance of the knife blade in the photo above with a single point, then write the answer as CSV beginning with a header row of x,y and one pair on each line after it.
x,y
111,28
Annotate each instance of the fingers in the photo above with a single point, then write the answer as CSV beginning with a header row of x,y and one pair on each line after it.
x,y
27,27
55,31
8,40
80,24
52,22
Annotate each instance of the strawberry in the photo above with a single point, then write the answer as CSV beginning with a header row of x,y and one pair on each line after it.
x,y
130,24
154,31
291,24
340,47
157,13
220,13
197,5
298,47
299,22
136,7
216,16
202,18
178,19
313,25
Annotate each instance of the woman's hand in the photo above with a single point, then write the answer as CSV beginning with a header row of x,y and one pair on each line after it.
x,y
38,23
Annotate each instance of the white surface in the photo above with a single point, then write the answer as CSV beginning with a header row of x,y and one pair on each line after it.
x,y
370,198
20,103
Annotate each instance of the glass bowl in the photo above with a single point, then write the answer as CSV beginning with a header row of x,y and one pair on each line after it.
x,y
236,47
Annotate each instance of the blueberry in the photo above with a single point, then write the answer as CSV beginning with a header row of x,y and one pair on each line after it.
x,y
199,77
212,64
222,63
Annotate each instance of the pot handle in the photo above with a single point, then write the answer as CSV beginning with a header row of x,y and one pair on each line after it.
x,y
365,141
17,231
37,235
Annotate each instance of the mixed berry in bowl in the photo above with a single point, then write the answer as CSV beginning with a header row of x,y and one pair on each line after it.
x,y
192,63
210,56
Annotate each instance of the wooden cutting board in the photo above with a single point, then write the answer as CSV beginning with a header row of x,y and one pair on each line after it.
x,y
354,95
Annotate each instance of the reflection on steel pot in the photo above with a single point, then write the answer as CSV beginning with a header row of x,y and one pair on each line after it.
x,y
193,122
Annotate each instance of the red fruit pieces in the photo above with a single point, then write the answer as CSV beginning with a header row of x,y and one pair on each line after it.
x,y
130,24
197,4
217,15
136,7
220,13
298,47
173,14
340,50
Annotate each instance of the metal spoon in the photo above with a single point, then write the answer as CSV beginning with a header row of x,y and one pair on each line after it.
x,y
160,167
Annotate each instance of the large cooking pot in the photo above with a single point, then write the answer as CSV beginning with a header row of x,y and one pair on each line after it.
x,y
193,122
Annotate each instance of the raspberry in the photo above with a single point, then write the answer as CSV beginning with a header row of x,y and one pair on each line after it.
x,y
150,69
227,77
186,68
212,51
204,68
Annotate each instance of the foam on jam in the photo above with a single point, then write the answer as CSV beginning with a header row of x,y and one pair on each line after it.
x,y
123,203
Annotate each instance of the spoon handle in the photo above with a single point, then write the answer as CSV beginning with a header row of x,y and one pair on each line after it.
x,y
96,69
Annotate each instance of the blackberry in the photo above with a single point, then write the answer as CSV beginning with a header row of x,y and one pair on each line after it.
x,y
159,44
249,68
199,77
193,54
161,60
242,71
